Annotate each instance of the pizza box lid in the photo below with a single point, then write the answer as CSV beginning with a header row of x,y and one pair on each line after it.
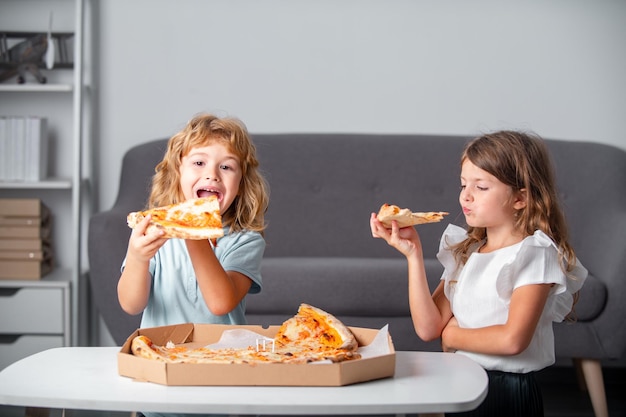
x,y
272,374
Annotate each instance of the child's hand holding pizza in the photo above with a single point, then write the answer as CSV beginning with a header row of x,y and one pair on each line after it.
x,y
392,224
144,242
405,240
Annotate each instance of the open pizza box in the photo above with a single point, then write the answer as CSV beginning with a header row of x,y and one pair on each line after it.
x,y
381,364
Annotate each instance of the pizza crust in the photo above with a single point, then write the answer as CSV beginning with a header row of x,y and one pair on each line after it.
x,y
405,217
142,346
195,219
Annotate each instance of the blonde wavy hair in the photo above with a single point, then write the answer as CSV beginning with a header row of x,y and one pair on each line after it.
x,y
247,212
521,161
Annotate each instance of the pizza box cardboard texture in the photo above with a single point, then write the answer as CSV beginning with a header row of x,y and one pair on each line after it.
x,y
270,374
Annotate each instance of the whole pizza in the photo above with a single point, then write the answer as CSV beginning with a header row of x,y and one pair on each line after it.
x,y
311,335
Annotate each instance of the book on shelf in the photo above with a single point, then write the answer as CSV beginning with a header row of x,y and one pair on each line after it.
x,y
23,148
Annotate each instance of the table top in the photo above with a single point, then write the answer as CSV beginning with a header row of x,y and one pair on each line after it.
x,y
86,378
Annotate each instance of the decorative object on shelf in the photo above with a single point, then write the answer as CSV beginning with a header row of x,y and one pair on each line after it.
x,y
24,57
30,53
49,58
23,148
25,250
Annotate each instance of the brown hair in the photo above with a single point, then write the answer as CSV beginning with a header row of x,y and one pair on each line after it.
x,y
247,212
521,161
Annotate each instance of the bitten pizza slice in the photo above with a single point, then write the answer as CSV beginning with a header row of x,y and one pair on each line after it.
x,y
195,219
317,328
405,217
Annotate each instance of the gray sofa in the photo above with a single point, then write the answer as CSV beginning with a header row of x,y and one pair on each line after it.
x,y
320,251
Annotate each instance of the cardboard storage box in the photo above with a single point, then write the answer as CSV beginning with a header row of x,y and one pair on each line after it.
x,y
24,264
24,269
26,245
23,207
24,232
314,374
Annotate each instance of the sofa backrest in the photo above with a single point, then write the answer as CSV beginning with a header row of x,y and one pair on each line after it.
x,y
138,167
325,186
340,178
591,179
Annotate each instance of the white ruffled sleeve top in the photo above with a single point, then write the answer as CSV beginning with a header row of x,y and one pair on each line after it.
x,y
480,292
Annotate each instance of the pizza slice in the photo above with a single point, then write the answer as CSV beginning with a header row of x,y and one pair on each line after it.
x,y
316,329
194,219
405,217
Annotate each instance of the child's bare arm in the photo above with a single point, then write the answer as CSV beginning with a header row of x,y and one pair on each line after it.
x,y
222,290
510,338
133,288
430,313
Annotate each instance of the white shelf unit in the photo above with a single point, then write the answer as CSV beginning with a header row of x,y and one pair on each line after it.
x,y
36,88
39,313
62,101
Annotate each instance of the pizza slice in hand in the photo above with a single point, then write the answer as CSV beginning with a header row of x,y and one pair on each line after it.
x,y
194,219
406,217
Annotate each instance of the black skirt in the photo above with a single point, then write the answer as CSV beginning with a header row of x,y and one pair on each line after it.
x,y
510,395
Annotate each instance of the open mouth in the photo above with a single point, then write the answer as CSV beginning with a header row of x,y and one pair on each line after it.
x,y
207,192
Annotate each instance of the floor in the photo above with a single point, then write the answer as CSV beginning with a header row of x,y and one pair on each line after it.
x,y
562,397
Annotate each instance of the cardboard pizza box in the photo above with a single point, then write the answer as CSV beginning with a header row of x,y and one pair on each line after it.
x,y
271,374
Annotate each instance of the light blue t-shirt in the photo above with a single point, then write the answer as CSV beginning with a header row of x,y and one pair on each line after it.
x,y
175,296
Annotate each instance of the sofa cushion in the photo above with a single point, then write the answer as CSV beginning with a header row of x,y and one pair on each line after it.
x,y
361,292
341,286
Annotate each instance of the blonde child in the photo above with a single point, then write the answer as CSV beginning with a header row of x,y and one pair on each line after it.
x,y
506,278
176,281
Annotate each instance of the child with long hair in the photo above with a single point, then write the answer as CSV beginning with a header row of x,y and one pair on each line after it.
x,y
175,280
506,277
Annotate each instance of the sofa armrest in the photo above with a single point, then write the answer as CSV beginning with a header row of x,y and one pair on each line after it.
x,y
108,235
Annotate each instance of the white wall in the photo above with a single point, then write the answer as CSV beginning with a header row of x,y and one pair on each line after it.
x,y
556,67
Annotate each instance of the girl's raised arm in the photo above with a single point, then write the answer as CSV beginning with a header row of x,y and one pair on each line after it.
x,y
133,288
